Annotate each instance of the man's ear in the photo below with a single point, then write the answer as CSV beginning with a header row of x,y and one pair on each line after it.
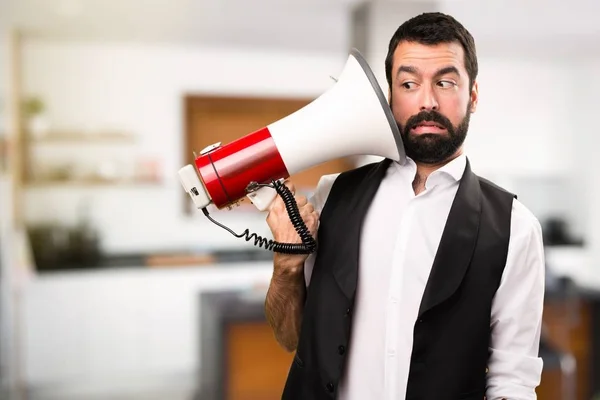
x,y
474,97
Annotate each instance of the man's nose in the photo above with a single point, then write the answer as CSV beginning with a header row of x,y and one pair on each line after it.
x,y
428,100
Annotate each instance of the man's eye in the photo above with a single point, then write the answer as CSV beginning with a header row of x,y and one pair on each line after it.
x,y
446,84
409,85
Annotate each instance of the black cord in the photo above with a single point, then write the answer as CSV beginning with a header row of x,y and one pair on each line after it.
x,y
308,245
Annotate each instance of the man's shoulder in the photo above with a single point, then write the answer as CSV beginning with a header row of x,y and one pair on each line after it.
x,y
521,216
322,190
489,186
524,219
326,182
354,175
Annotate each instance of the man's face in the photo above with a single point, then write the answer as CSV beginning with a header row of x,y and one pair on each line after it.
x,y
431,99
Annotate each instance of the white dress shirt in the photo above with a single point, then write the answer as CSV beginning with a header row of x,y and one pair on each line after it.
x,y
400,238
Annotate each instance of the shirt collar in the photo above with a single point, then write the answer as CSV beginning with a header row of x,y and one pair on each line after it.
x,y
451,172
454,168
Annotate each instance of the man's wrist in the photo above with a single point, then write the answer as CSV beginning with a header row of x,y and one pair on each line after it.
x,y
288,269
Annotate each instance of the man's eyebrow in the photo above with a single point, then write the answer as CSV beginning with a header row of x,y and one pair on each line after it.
x,y
413,70
408,69
447,70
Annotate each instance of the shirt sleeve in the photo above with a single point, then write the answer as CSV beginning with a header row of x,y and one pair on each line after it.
x,y
318,199
515,368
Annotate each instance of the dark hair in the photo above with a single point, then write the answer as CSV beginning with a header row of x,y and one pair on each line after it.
x,y
431,29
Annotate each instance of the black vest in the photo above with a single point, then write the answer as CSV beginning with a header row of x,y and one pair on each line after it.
x,y
452,332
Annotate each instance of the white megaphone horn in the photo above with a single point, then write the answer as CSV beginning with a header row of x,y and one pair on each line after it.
x,y
352,118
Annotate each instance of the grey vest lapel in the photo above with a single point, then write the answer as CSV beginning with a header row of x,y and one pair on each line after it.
x,y
457,244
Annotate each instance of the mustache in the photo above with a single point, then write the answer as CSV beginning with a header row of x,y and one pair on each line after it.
x,y
429,116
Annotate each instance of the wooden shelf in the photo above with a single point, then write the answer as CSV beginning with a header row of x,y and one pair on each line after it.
x,y
66,137
89,183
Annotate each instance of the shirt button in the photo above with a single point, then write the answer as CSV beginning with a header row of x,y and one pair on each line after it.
x,y
330,387
341,350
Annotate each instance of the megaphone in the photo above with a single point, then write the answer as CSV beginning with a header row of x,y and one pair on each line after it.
x,y
352,118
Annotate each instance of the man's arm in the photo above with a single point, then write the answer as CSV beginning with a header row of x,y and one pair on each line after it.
x,y
285,300
514,366
287,290
284,303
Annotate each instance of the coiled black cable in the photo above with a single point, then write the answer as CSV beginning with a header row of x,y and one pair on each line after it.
x,y
308,245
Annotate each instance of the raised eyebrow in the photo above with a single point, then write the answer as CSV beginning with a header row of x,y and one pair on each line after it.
x,y
447,70
407,69
413,70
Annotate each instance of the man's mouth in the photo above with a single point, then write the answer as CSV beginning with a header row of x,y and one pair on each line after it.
x,y
428,127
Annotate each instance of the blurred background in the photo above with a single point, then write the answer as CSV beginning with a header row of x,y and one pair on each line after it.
x,y
113,287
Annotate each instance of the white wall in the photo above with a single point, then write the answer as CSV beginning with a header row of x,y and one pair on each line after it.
x,y
523,134
139,88
522,116
594,181
586,174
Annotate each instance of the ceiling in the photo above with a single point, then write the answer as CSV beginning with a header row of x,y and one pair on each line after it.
x,y
311,25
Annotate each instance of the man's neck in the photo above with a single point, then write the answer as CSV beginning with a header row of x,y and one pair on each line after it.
x,y
424,170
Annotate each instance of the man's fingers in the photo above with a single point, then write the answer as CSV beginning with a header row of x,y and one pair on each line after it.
x,y
309,208
301,201
276,204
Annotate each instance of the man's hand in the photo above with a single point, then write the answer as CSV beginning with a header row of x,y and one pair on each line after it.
x,y
282,228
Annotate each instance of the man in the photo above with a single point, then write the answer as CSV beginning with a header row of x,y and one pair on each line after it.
x,y
428,281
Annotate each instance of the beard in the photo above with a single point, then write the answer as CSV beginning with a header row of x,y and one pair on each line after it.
x,y
434,148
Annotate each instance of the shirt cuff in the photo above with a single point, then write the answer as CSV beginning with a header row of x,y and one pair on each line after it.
x,y
513,376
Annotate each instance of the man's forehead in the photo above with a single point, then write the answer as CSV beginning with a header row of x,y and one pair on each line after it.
x,y
422,55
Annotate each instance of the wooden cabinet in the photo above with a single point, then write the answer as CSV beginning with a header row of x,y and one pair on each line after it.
x,y
256,365
568,328
239,356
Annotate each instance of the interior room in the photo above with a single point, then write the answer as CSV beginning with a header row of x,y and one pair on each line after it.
x,y
114,286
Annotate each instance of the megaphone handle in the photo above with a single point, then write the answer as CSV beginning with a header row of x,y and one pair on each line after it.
x,y
263,197
309,244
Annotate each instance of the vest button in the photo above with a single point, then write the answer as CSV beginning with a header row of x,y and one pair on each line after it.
x,y
341,350
347,313
330,387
